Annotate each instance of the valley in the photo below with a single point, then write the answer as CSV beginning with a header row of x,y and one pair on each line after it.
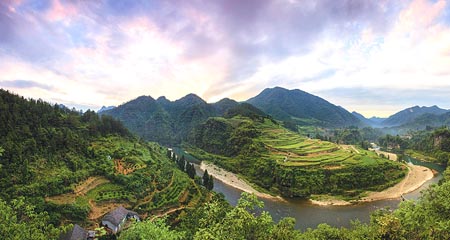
x,y
285,163
79,167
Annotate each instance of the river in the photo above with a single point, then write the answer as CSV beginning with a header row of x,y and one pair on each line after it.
x,y
308,215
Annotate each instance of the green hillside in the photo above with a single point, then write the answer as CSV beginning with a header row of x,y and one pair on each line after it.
x,y
78,166
167,122
302,108
286,163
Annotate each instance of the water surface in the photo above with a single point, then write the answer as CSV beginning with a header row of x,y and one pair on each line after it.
x,y
308,215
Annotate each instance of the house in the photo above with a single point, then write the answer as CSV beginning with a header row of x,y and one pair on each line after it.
x,y
76,233
116,219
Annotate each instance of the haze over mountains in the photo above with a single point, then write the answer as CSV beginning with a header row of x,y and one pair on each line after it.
x,y
171,122
411,118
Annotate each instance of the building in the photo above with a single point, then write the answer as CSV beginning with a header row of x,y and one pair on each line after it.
x,y
116,219
76,233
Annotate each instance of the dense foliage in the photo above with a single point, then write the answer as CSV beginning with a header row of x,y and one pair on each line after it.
x,y
37,137
428,145
224,137
19,220
167,122
78,166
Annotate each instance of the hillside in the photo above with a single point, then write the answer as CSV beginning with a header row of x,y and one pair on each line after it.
x,y
364,120
164,121
410,114
283,162
77,167
302,107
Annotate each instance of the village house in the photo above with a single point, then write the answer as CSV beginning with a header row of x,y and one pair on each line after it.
x,y
76,233
116,219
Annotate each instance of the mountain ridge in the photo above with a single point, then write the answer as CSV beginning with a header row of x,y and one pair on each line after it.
x,y
284,104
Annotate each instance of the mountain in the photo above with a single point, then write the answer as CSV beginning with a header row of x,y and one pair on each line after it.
x,y
302,107
223,105
103,108
76,165
377,120
164,121
362,118
410,114
427,120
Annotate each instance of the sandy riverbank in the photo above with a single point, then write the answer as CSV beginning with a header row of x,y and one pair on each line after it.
x,y
233,180
416,177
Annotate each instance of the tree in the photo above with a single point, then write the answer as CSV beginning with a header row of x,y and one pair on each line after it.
x,y
205,179
19,220
240,223
190,170
182,163
210,185
150,230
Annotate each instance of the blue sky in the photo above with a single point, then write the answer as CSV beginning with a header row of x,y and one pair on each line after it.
x,y
374,57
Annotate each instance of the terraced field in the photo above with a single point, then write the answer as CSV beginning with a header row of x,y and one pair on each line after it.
x,y
286,163
291,149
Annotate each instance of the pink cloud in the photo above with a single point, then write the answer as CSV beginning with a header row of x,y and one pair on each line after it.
x,y
60,11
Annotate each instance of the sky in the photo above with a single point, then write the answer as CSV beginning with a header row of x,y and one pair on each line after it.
x,y
373,57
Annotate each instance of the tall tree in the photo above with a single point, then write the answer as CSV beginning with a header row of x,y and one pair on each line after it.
x,y
206,179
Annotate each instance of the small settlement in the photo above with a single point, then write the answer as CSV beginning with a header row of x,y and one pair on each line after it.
x,y
114,222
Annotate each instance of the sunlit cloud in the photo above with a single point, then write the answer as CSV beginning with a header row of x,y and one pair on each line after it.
x,y
93,53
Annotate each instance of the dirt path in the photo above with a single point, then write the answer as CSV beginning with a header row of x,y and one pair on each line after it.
x,y
172,210
80,190
350,147
89,184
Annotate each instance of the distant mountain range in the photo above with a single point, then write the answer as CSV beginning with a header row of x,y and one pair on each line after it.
x,y
103,108
164,121
302,107
171,122
411,118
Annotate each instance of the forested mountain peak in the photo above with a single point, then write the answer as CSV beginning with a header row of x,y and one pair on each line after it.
x,y
189,100
410,114
302,107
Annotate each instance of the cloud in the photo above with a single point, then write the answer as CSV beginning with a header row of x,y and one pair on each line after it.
x,y
107,52
21,84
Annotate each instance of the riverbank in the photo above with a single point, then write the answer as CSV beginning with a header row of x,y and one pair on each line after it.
x,y
233,180
416,177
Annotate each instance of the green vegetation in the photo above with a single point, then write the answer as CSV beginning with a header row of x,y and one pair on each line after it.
x,y
284,162
431,145
302,108
19,220
426,218
164,121
150,230
78,166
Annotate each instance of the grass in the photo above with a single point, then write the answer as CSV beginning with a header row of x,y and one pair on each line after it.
x,y
420,155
